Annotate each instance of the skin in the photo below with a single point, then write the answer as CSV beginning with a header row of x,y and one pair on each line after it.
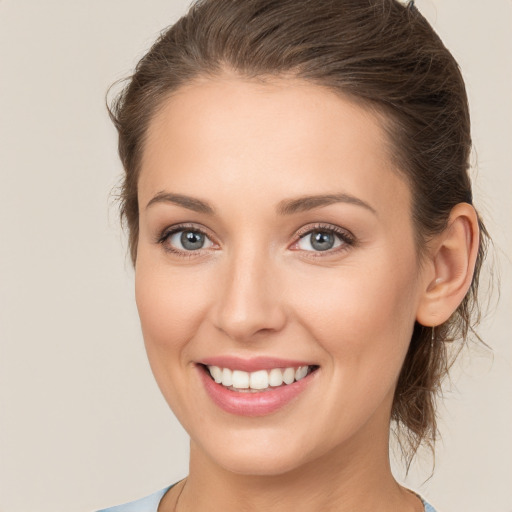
x,y
257,288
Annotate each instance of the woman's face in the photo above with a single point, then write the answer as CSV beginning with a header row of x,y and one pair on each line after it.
x,y
276,242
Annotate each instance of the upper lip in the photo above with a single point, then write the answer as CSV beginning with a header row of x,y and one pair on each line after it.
x,y
253,364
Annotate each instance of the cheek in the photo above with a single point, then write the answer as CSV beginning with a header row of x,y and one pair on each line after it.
x,y
170,309
362,315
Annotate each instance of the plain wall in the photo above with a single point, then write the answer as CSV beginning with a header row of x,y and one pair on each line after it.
x,y
82,424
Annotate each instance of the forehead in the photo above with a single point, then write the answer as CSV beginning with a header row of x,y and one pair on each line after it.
x,y
284,134
216,110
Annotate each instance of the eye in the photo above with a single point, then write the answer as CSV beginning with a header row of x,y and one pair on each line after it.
x,y
186,240
319,241
323,239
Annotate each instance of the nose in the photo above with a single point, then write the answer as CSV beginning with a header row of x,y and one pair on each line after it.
x,y
250,302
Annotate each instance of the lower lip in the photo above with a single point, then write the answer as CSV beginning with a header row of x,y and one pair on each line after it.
x,y
250,403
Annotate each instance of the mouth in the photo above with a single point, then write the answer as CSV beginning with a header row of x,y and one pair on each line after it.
x,y
257,387
258,381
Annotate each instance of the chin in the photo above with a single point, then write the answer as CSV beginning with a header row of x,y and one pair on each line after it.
x,y
260,464
258,454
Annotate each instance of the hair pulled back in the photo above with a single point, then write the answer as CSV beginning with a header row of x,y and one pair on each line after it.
x,y
381,53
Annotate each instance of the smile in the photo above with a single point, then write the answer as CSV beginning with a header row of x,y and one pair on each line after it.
x,y
257,387
261,380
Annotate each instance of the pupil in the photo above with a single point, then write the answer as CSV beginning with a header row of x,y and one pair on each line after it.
x,y
322,241
192,240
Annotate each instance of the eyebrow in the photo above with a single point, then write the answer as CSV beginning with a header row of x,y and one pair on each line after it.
x,y
284,207
191,203
305,203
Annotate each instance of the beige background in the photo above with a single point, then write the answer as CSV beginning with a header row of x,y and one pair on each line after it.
x,y
82,424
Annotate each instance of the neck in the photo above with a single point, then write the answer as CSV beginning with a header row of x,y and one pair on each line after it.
x,y
351,477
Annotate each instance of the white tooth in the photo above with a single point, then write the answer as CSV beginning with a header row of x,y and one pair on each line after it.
x,y
301,372
259,379
275,377
227,377
216,373
240,379
289,375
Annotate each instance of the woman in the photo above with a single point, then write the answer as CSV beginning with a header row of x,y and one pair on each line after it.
x,y
301,224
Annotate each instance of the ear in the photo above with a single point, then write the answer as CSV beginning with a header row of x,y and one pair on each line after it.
x,y
450,266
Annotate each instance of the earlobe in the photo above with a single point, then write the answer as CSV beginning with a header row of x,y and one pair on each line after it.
x,y
452,259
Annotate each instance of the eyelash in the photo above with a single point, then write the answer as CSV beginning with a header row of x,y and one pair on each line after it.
x,y
168,232
348,240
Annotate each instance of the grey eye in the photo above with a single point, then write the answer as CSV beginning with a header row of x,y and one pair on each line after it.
x,y
189,240
319,240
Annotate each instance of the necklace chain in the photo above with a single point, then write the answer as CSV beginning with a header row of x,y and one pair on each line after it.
x,y
179,495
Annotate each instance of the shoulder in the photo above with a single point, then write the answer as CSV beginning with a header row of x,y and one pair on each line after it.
x,y
428,507
147,504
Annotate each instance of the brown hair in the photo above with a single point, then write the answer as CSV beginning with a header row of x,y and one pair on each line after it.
x,y
379,52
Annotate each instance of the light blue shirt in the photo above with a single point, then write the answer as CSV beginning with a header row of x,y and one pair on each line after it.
x,y
150,504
